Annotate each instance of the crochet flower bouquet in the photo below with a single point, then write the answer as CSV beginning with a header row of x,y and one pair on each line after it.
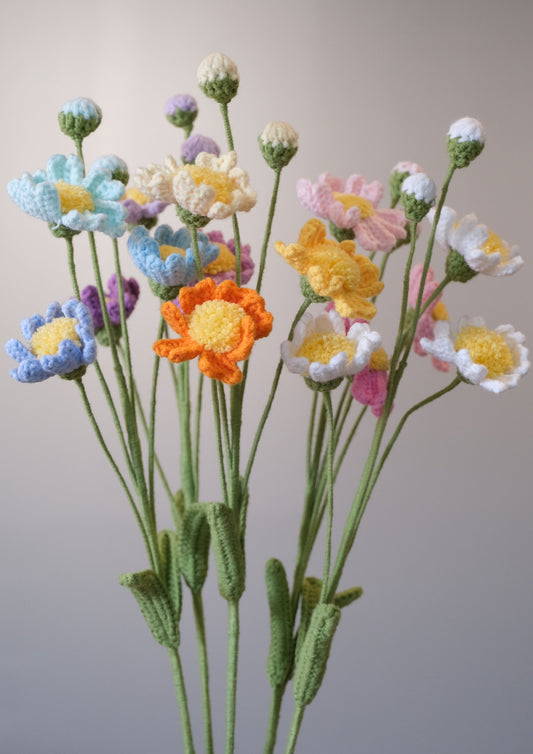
x,y
206,295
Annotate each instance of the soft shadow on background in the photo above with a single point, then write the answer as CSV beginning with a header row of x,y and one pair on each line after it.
x,y
436,657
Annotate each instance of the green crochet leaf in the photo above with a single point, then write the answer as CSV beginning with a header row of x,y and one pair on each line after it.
x,y
155,604
280,657
177,509
168,548
228,552
312,663
311,588
194,536
343,599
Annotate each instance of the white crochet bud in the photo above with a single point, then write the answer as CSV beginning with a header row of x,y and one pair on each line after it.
x,y
278,143
418,196
218,77
465,141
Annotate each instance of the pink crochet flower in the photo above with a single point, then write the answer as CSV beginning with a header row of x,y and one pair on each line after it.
x,y
369,387
352,204
436,311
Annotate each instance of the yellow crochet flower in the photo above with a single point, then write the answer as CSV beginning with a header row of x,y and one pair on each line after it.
x,y
334,270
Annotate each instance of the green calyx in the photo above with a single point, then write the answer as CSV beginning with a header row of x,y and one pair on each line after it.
x,y
309,293
341,234
61,231
77,374
155,604
183,119
323,387
278,156
395,186
146,222
191,220
463,152
164,292
457,269
77,126
221,90
102,336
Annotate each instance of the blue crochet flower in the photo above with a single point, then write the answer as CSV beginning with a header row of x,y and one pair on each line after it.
x,y
157,260
62,196
61,343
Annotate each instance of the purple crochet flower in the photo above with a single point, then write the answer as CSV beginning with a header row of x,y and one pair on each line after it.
x,y
90,298
141,210
195,144
223,268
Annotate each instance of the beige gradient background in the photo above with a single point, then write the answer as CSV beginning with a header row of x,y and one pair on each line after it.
x,y
437,656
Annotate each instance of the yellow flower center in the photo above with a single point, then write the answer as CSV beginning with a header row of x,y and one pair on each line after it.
x,y
225,262
165,251
379,361
439,312
322,347
221,182
494,244
216,325
352,200
486,347
74,197
136,195
46,339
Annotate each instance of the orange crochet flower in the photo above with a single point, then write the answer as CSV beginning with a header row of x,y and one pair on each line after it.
x,y
334,270
218,323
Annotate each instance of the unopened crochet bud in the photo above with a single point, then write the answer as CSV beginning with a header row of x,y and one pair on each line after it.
x,y
79,117
465,141
218,77
399,173
181,110
313,658
418,196
195,144
278,144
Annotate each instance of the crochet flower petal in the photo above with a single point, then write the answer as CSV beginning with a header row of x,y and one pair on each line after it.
x,y
218,366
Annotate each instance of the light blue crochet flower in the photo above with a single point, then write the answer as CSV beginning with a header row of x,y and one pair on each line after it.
x,y
61,343
156,260
62,196
116,166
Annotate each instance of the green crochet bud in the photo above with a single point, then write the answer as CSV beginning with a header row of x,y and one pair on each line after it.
x,y
457,269
312,663
465,141
168,548
218,77
280,656
228,552
79,117
345,598
278,144
194,538
310,594
341,234
156,606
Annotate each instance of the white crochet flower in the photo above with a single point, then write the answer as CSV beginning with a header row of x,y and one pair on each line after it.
x,y
211,187
494,359
322,349
482,250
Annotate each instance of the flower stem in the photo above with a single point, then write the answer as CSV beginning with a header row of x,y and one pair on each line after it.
x,y
181,696
329,476
123,322
231,676
196,251
204,669
115,468
151,433
273,718
295,729
268,228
